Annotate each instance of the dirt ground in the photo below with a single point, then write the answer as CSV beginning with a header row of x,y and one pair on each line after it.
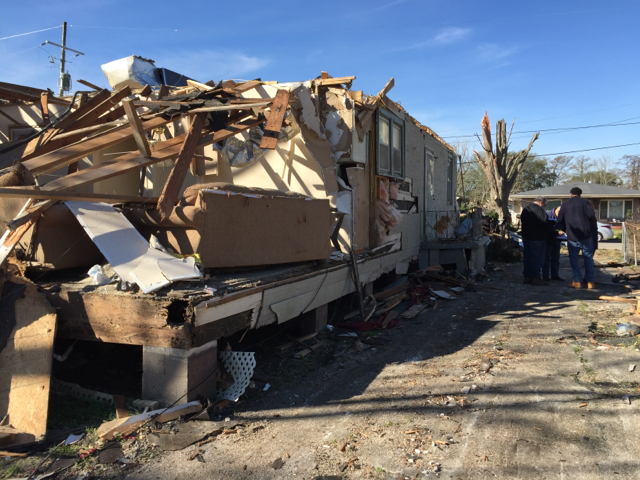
x,y
551,403
512,381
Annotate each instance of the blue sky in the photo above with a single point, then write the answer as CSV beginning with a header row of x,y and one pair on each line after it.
x,y
546,64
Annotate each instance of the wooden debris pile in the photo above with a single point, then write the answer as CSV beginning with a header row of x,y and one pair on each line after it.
x,y
207,113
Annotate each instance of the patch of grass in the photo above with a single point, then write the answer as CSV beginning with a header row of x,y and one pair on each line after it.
x,y
10,472
584,308
68,412
379,469
389,424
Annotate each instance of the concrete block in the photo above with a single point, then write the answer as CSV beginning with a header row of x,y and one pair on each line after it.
x,y
315,320
170,373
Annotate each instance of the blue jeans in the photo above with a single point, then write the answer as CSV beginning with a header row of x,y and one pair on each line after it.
x,y
587,256
533,252
552,261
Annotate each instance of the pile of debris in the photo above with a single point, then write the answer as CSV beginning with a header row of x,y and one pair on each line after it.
x,y
407,297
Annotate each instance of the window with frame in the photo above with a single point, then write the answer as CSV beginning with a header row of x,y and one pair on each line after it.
x,y
451,171
390,145
618,209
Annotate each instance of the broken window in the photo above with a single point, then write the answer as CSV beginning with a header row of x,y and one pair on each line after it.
x,y
390,145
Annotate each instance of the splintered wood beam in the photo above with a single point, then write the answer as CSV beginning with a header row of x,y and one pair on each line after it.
x,y
387,87
136,127
89,84
66,155
326,82
44,105
23,192
324,75
221,108
274,124
167,150
199,86
246,86
94,114
171,190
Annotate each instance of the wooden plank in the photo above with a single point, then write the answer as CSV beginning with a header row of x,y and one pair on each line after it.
x,y
25,360
44,105
222,108
25,192
89,84
169,196
90,117
276,117
132,161
52,161
136,126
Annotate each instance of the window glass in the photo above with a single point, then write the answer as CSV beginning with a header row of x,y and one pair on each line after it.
x,y
615,210
384,131
628,208
397,136
431,165
604,205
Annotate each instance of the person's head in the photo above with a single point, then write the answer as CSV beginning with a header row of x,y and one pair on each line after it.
x,y
542,201
556,211
575,191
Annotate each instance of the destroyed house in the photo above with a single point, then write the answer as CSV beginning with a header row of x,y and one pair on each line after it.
x,y
214,208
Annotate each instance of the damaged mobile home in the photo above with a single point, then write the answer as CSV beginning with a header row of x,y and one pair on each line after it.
x,y
219,207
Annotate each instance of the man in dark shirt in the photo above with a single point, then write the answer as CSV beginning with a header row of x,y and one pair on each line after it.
x,y
577,219
535,232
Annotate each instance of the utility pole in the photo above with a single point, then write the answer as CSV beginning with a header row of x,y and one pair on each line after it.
x,y
64,82
62,57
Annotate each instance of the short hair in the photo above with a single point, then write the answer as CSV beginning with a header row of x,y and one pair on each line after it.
x,y
540,199
576,191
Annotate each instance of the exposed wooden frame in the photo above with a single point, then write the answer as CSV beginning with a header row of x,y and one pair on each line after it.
x,y
171,190
136,127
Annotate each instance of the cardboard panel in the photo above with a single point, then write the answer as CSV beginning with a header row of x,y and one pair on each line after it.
x,y
242,230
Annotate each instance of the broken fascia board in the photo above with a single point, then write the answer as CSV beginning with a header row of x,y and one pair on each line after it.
x,y
210,311
127,251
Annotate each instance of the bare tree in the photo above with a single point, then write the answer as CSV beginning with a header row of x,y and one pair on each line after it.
x,y
501,168
631,170
560,166
580,166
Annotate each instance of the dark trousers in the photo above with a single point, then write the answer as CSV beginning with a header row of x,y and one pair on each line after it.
x,y
551,267
533,257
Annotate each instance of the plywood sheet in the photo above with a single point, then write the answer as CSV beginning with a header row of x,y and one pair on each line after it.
x,y
25,360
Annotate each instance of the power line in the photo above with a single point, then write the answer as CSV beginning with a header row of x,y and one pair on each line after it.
x,y
29,33
571,151
619,123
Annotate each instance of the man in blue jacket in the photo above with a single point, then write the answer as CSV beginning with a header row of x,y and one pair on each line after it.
x,y
577,219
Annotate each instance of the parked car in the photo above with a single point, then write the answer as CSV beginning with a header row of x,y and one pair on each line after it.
x,y
605,231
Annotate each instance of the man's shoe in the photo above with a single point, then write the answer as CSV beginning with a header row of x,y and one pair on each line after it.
x,y
538,282
527,280
591,285
557,279
576,285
